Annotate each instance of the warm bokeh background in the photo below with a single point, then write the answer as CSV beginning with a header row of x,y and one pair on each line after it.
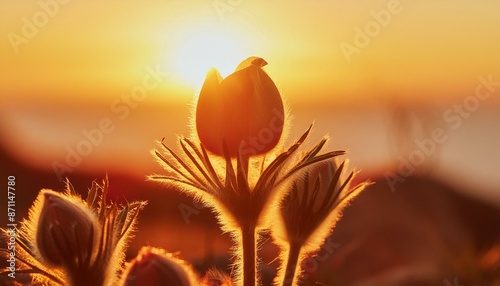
x,y
67,67
71,66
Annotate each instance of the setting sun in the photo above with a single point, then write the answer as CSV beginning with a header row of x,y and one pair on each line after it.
x,y
206,46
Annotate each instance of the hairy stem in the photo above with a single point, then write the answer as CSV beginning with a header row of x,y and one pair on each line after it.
x,y
290,275
249,255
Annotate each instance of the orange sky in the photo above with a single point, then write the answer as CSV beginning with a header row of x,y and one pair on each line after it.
x,y
98,48
65,66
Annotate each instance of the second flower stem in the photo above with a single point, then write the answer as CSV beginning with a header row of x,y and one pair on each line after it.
x,y
289,277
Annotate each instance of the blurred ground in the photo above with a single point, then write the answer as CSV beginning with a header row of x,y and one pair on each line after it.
x,y
423,233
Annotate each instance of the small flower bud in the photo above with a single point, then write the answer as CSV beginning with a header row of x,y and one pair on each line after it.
x,y
67,231
155,267
243,111
314,205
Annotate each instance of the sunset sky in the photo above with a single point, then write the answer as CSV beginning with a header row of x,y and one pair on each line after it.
x,y
67,66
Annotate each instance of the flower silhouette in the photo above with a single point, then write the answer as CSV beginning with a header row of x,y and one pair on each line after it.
x,y
241,189
70,241
309,212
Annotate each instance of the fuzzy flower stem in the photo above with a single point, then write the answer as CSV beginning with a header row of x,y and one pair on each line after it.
x,y
249,255
290,274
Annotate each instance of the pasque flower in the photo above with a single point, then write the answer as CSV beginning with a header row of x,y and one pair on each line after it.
x,y
243,111
71,241
155,267
309,212
240,188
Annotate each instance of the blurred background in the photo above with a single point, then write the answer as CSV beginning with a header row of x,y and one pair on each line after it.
x,y
411,89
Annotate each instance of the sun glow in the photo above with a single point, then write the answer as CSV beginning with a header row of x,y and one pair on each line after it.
x,y
205,47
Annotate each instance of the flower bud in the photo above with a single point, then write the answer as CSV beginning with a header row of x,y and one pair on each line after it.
x,y
67,231
314,205
243,111
155,267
